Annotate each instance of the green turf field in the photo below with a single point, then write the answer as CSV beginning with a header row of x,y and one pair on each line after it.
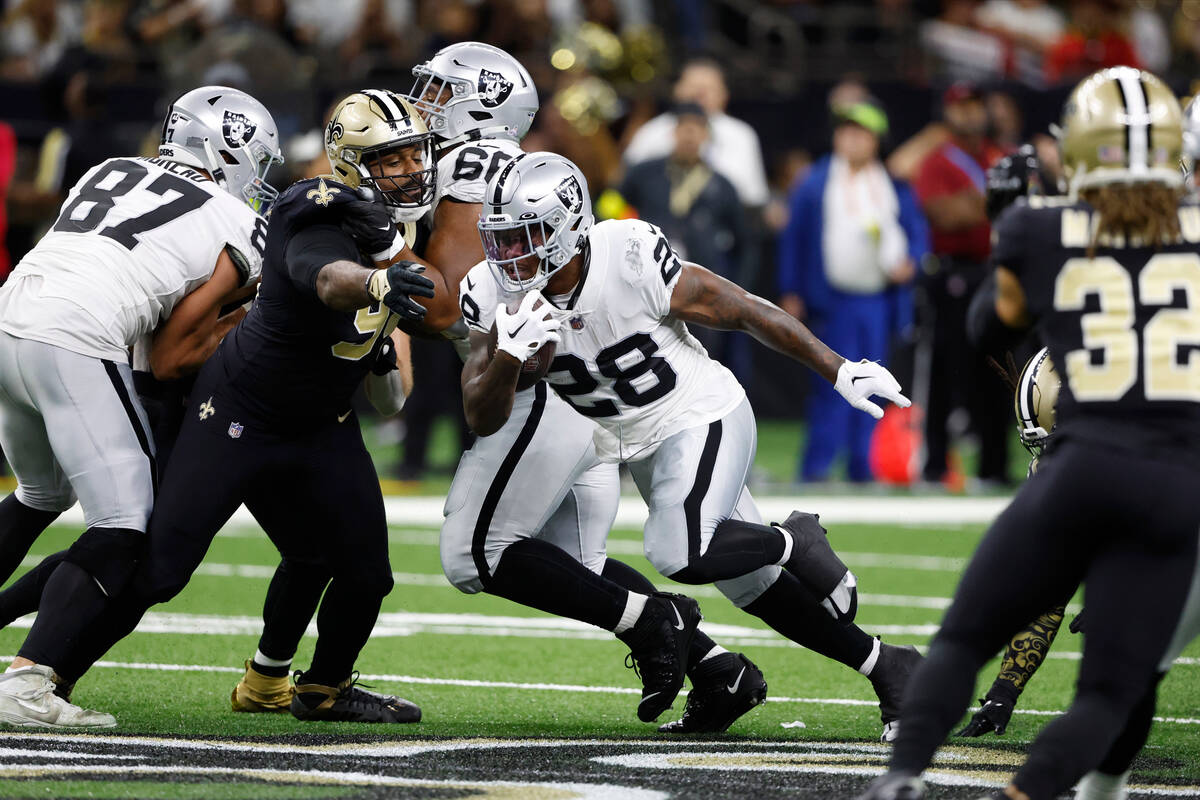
x,y
498,674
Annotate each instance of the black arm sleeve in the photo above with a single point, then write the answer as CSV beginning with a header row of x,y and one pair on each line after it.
x,y
312,248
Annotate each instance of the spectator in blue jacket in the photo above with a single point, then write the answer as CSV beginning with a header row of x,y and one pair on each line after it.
x,y
847,259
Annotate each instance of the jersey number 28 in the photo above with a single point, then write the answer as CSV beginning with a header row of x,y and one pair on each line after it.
x,y
623,363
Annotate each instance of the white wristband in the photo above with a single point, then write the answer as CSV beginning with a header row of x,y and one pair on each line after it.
x,y
393,251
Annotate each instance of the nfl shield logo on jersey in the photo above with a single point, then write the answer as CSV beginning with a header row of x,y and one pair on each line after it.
x,y
237,129
494,88
235,430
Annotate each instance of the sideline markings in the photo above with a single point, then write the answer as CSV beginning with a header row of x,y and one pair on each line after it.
x,y
543,687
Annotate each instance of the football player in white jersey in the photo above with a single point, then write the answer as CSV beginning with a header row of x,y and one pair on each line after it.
x,y
143,247
531,505
614,298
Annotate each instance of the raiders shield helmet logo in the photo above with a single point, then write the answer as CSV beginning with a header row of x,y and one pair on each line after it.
x,y
570,194
237,129
494,88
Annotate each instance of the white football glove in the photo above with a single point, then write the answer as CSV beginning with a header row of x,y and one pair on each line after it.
x,y
523,332
858,380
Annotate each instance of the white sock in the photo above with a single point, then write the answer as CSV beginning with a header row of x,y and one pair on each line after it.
x,y
787,545
263,661
633,609
1098,786
868,666
716,651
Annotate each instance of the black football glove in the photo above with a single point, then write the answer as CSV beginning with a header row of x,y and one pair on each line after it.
x,y
1076,625
385,362
992,718
394,286
369,222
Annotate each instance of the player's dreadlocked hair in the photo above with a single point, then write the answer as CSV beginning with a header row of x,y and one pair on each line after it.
x,y
1148,212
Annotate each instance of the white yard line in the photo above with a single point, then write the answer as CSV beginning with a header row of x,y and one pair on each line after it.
x,y
910,511
536,687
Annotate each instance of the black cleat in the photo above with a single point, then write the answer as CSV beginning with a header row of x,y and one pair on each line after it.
x,y
895,786
346,702
659,643
889,678
818,567
993,717
724,688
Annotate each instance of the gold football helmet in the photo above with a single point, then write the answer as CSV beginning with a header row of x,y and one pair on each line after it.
x,y
1121,125
1037,397
364,128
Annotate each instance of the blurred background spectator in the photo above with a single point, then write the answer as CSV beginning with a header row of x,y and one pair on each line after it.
x,y
846,259
81,80
699,211
950,182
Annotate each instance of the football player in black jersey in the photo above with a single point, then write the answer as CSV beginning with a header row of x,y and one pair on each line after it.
x,y
269,422
1110,276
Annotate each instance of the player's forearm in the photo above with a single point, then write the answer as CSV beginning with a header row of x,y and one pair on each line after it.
x,y
734,308
488,396
342,285
173,357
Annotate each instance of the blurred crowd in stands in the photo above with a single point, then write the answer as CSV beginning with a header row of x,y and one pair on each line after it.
x,y
826,154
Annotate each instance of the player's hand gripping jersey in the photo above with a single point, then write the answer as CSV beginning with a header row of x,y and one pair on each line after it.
x,y
134,237
1121,327
622,361
295,360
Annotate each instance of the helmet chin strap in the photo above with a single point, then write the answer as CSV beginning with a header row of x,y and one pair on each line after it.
x,y
215,161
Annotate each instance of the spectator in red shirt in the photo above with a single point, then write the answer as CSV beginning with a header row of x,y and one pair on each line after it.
x,y
950,183
1093,41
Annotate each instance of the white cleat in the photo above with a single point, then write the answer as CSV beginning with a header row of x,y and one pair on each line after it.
x,y
891,730
27,699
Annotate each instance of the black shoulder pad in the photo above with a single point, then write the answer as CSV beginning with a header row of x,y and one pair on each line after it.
x,y
312,201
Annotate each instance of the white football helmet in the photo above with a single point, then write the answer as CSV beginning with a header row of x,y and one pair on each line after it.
x,y
229,135
1037,397
1191,136
537,205
472,90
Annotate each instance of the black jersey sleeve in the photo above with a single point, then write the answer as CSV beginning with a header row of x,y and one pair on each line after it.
x,y
312,248
1009,237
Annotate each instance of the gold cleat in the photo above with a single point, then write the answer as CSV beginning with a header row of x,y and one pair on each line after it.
x,y
257,693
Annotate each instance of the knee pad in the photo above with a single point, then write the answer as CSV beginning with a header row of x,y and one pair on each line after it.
x,y
313,572
745,590
110,555
696,572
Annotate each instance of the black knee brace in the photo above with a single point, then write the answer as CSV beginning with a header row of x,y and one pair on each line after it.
x,y
109,555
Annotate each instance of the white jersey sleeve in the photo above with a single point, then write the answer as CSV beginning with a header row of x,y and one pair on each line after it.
x,y
623,360
464,172
478,296
134,237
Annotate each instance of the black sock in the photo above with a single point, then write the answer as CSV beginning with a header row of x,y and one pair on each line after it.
x,y
25,593
737,548
622,574
270,671
292,599
344,622
118,619
793,611
20,526
936,697
70,604
1133,736
540,575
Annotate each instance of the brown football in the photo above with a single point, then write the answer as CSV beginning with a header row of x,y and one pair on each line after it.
x,y
534,368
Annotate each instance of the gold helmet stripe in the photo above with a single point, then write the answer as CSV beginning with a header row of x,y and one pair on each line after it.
x,y
1137,120
392,111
